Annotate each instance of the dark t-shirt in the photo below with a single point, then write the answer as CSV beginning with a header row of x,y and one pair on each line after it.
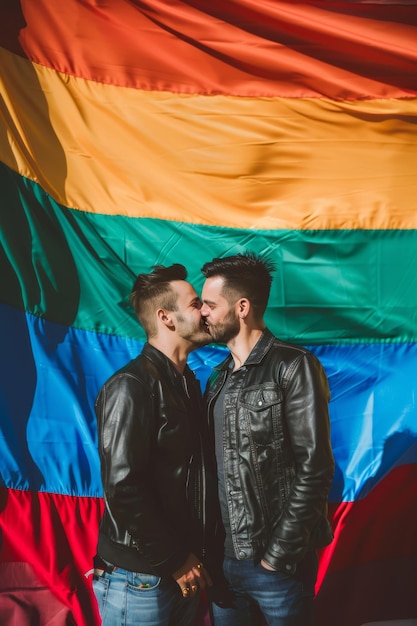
x,y
218,413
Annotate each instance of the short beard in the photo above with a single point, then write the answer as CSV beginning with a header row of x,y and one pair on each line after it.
x,y
227,330
198,336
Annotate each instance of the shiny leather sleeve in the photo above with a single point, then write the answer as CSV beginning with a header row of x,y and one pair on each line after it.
x,y
306,397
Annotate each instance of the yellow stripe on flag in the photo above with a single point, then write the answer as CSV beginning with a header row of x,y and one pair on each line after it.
x,y
262,163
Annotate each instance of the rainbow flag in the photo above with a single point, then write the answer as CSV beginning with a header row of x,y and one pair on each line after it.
x,y
141,132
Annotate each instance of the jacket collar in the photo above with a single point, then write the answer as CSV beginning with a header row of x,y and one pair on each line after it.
x,y
258,352
163,362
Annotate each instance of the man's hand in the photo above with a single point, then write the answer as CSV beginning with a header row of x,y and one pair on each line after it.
x,y
191,576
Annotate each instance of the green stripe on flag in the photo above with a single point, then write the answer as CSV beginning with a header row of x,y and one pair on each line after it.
x,y
77,269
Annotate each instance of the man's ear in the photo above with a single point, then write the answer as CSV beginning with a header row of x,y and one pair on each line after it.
x,y
165,317
243,307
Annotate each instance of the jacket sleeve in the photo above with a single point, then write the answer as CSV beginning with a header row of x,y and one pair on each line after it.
x,y
126,415
307,420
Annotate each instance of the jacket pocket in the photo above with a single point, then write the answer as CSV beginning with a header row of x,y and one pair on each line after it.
x,y
261,408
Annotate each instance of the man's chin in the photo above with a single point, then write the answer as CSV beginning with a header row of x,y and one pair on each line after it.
x,y
207,333
202,339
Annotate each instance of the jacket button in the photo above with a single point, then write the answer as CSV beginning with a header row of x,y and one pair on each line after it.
x,y
242,554
260,403
288,567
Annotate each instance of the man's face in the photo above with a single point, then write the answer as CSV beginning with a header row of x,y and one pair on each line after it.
x,y
222,319
190,325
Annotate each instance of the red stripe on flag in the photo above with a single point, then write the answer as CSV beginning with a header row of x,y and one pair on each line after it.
x,y
246,48
379,527
47,546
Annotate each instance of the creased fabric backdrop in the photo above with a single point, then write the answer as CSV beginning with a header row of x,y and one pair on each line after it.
x,y
134,133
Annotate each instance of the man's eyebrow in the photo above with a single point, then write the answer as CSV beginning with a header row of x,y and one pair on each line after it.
x,y
208,301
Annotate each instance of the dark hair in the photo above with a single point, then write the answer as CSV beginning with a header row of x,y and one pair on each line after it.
x,y
245,275
153,291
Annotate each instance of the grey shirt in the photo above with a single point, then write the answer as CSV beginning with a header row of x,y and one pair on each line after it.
x,y
218,413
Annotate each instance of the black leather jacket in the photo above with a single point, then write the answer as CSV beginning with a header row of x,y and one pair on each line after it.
x,y
278,462
156,477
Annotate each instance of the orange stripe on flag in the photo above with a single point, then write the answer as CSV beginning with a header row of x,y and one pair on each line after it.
x,y
265,163
246,48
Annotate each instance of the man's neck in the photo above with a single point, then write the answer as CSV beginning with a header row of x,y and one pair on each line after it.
x,y
242,345
178,354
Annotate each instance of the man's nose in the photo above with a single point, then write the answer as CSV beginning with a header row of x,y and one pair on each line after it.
x,y
204,310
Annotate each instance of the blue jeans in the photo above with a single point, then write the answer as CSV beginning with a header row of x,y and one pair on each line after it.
x,y
260,596
129,599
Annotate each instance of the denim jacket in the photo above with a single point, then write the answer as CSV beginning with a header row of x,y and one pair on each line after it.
x,y
278,462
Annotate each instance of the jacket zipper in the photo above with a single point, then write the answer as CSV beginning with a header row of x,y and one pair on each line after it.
x,y
200,497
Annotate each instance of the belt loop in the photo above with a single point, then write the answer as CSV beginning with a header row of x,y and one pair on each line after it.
x,y
106,568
